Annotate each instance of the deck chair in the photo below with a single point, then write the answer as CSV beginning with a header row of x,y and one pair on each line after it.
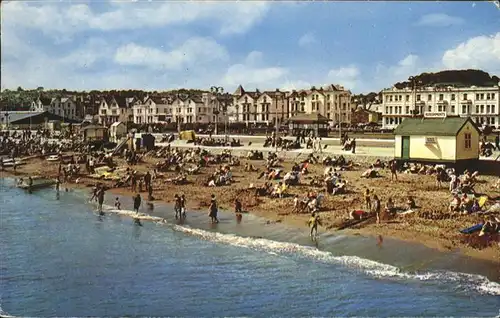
x,y
482,201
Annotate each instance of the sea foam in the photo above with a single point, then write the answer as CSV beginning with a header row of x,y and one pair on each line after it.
x,y
374,269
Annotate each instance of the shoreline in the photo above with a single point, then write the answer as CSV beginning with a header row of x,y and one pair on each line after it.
x,y
272,209
395,257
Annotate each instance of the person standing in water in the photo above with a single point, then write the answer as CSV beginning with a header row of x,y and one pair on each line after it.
x,y
238,210
118,204
100,199
213,209
137,205
314,221
177,206
183,206
30,185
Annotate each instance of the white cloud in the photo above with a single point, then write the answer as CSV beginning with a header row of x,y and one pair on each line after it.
x,y
56,19
481,52
254,58
348,76
251,74
307,39
439,20
193,51
295,85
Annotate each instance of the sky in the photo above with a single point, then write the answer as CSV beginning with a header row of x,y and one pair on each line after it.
x,y
160,45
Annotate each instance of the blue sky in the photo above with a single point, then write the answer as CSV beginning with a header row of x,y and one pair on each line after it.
x,y
155,45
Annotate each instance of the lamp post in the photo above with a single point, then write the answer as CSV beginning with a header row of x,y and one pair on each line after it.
x,y
278,98
414,82
340,118
221,101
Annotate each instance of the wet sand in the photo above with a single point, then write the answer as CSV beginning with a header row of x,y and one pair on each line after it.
x,y
430,225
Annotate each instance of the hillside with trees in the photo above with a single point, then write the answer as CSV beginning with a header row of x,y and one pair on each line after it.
x,y
457,78
21,99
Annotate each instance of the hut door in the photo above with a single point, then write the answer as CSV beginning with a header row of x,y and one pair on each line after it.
x,y
405,147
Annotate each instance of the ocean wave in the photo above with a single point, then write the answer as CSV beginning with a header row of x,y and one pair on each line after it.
x,y
374,269
130,213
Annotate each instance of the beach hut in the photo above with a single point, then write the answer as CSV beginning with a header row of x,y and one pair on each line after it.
x,y
314,122
117,131
144,141
187,135
438,140
95,132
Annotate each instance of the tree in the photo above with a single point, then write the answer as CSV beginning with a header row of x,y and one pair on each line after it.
x,y
19,89
39,88
366,101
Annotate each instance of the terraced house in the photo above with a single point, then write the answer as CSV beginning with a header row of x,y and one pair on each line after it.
x,y
64,107
255,107
481,104
114,109
153,110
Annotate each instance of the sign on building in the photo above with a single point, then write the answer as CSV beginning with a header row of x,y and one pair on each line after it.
x,y
435,114
430,140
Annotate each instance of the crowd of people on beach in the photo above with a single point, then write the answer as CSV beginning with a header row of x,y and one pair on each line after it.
x,y
276,183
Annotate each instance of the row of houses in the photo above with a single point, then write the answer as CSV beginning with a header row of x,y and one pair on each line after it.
x,y
249,107
481,104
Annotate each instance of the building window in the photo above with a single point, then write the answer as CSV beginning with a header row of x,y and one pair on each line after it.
x,y
477,96
488,96
429,109
452,96
468,141
464,97
453,109
482,109
487,109
492,95
492,120
493,109
418,97
407,98
407,110
429,97
477,109
482,96
441,96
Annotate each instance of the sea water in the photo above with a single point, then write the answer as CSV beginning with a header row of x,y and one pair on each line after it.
x,y
58,258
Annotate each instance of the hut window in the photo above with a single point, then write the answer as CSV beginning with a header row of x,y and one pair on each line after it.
x,y
468,140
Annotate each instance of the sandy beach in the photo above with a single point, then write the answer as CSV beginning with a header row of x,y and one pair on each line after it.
x,y
431,225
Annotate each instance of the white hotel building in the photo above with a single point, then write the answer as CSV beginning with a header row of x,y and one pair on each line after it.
x,y
482,104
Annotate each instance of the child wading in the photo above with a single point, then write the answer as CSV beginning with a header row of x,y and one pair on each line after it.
x,y
177,206
183,207
314,221
238,210
213,209
137,205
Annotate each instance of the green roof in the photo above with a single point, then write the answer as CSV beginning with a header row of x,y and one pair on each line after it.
x,y
449,126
